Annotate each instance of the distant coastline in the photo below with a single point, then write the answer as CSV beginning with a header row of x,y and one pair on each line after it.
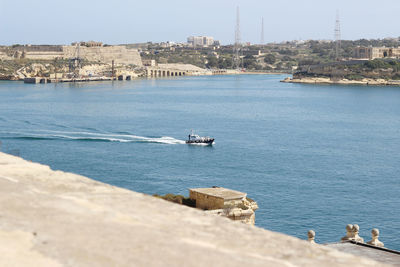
x,y
381,72
215,72
325,80
264,72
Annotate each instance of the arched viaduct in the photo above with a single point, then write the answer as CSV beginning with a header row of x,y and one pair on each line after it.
x,y
159,72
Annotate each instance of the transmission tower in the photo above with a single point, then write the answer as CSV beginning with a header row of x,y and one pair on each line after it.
x,y
262,31
237,45
337,37
75,63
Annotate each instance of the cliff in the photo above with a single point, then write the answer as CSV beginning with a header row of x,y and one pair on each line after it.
x,y
53,218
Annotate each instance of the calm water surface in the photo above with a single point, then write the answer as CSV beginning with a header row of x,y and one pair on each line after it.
x,y
313,157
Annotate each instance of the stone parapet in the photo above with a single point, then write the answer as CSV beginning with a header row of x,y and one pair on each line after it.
x,y
53,218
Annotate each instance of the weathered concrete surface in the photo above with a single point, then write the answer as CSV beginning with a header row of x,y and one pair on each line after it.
x,y
52,218
363,250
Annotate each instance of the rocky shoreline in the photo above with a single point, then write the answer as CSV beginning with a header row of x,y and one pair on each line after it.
x,y
326,80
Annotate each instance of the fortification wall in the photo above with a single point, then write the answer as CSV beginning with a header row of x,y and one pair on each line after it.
x,y
106,54
44,55
37,48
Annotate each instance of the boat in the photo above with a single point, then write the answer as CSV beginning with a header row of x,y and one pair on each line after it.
x,y
194,139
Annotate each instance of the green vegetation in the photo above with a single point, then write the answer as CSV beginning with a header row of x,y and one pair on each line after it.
x,y
249,199
242,206
270,59
383,64
388,69
356,77
282,57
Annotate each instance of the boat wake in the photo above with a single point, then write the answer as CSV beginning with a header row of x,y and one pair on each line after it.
x,y
90,136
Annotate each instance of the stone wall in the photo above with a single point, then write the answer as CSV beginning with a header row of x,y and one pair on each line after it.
x,y
105,54
53,218
43,55
37,48
206,202
376,52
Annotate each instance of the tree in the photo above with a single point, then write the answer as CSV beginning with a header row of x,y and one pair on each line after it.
x,y
249,63
270,59
280,66
212,62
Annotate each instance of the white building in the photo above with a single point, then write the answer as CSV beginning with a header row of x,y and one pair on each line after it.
x,y
200,40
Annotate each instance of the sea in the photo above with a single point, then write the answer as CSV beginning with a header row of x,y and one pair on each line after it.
x,y
312,156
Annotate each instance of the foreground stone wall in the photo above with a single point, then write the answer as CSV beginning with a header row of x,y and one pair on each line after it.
x,y
53,218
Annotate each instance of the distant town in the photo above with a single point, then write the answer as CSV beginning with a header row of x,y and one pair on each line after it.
x,y
200,55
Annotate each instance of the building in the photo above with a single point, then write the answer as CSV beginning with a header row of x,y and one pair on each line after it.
x,y
149,62
225,202
200,41
376,52
216,197
88,44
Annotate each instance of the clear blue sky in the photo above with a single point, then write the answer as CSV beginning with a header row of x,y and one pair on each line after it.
x,y
131,21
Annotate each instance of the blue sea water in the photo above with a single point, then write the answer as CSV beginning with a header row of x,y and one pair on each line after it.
x,y
312,156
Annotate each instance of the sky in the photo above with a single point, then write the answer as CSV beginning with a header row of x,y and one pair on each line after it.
x,y
121,22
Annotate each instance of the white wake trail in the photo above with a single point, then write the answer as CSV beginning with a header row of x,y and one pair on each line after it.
x,y
91,136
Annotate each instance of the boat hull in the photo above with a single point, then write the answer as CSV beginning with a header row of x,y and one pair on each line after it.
x,y
200,142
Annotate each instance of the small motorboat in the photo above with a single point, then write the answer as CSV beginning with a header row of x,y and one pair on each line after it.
x,y
194,139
